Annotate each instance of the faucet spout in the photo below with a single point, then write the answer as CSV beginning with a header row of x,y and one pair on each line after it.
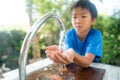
x,y
26,43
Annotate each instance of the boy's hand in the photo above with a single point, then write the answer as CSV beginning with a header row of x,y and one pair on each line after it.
x,y
54,53
69,54
58,56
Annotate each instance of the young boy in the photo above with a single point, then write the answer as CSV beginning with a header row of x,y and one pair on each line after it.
x,y
82,43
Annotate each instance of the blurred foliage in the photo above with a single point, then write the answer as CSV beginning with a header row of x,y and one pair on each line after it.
x,y
110,27
41,7
10,45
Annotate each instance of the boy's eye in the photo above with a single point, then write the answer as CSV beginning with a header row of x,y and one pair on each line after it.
x,y
74,17
84,16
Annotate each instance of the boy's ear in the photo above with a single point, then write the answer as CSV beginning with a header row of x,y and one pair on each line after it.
x,y
93,21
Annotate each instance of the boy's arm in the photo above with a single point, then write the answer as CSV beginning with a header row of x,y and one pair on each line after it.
x,y
83,61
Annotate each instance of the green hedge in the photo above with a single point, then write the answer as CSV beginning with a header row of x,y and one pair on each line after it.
x,y
10,45
110,27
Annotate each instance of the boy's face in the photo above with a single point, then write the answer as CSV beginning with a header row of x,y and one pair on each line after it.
x,y
82,20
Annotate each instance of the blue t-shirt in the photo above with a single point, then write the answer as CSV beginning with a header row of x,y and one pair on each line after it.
x,y
91,44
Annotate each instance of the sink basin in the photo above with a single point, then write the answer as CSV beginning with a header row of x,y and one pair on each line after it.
x,y
47,70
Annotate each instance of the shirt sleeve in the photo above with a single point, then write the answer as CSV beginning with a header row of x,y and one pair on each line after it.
x,y
95,45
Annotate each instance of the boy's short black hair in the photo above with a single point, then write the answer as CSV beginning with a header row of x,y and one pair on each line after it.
x,y
86,4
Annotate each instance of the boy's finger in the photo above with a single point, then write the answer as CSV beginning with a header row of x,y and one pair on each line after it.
x,y
63,57
59,59
54,47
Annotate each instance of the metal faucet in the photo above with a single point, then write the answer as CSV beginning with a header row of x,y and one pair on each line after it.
x,y
26,43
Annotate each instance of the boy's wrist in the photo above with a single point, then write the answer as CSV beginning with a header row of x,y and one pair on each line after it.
x,y
74,54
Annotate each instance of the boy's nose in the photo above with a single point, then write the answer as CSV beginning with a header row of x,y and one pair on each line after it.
x,y
78,21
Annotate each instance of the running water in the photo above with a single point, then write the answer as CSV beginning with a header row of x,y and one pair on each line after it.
x,y
61,39
61,47
71,77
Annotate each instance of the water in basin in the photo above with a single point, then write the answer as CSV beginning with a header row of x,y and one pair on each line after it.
x,y
54,72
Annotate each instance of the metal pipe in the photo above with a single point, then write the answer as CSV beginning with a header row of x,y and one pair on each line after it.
x,y
26,43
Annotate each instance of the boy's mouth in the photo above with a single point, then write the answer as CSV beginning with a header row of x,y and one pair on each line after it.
x,y
79,26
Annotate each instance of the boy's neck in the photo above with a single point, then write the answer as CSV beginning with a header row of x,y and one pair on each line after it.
x,y
83,35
